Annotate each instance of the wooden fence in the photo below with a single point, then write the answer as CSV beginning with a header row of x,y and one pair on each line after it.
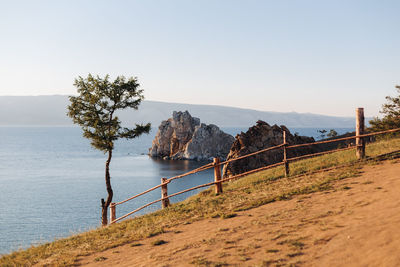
x,y
216,164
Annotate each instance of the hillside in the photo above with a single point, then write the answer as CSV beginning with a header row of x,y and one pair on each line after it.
x,y
51,111
354,223
263,219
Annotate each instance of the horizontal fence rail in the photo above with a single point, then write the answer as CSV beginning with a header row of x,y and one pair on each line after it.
x,y
360,144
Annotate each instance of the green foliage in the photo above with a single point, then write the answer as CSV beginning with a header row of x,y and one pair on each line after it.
x,y
322,132
332,133
94,109
391,109
100,259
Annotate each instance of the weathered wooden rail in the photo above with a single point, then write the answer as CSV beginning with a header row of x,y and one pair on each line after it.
x,y
217,164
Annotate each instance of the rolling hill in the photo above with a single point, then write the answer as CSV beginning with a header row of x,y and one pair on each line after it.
x,y
51,110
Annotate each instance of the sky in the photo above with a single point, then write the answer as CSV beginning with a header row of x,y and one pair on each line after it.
x,y
325,57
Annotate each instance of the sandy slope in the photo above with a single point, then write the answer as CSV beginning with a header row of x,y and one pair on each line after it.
x,y
355,224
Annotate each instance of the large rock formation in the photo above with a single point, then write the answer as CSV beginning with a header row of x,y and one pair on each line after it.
x,y
259,137
184,137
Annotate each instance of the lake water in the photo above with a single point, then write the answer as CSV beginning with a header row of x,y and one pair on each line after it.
x,y
51,181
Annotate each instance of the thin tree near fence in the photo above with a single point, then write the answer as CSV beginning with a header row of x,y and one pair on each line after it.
x,y
94,110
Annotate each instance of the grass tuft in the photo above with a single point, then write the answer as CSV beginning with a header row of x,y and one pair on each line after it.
x,y
159,242
229,215
292,255
100,258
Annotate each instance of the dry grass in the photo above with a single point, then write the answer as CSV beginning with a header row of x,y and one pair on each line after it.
x,y
249,192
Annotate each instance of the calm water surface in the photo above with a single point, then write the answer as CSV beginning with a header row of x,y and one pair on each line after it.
x,y
51,181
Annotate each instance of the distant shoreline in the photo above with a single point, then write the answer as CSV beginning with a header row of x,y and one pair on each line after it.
x,y
24,111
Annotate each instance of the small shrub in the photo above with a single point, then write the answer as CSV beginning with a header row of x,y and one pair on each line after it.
x,y
228,215
297,244
100,258
292,255
159,242
156,232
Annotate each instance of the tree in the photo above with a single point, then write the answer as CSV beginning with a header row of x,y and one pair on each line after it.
x,y
322,132
332,133
94,110
391,109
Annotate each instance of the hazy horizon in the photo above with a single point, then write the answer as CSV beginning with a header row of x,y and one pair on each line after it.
x,y
51,110
215,105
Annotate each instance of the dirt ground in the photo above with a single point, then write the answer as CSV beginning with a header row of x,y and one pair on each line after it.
x,y
355,224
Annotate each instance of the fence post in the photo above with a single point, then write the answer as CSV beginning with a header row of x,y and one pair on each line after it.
x,y
217,176
360,144
112,212
286,163
164,193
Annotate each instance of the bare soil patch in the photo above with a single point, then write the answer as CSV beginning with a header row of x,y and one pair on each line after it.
x,y
355,223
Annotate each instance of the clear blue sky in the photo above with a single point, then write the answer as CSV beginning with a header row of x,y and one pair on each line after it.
x,y
326,57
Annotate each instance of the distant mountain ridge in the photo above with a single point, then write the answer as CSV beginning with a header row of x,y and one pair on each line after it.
x,y
50,110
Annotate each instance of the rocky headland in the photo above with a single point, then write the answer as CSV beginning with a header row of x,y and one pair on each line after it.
x,y
184,137
258,137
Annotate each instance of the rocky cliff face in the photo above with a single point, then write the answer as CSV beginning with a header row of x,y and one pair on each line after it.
x,y
259,137
184,137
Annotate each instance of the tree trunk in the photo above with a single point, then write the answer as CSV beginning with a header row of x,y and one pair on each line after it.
x,y
107,203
